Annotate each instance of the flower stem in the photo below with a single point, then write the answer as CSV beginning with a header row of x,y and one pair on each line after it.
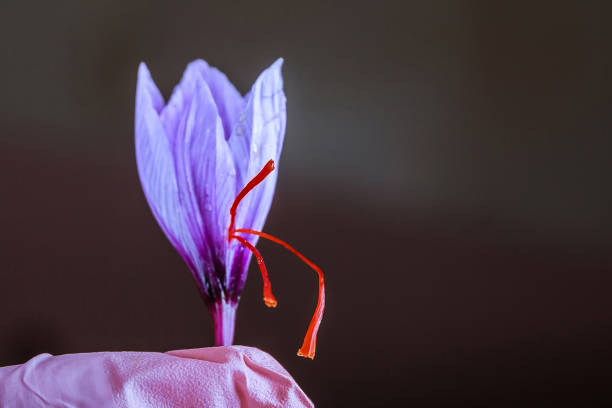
x,y
224,318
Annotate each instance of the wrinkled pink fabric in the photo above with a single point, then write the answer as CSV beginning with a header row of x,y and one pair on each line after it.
x,y
235,376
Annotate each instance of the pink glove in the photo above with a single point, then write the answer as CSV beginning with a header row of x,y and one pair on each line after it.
x,y
235,376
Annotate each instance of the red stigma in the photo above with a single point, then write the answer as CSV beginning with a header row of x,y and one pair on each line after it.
x,y
263,173
269,298
310,340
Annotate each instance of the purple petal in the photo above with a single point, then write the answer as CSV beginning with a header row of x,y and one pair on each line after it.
x,y
265,121
179,102
227,99
156,167
206,178
258,135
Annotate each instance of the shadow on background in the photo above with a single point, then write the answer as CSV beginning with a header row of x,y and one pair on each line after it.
x,y
447,166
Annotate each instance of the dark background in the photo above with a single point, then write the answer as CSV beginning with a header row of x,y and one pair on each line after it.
x,y
446,163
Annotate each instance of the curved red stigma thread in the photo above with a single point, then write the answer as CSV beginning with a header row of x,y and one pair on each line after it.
x,y
263,173
269,298
310,340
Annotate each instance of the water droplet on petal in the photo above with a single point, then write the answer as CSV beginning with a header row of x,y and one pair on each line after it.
x,y
255,148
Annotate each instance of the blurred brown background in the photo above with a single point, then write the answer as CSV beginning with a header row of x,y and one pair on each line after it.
x,y
446,163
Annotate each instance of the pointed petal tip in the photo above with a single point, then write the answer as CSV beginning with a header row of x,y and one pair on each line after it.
x,y
277,65
272,76
143,70
193,76
197,64
146,88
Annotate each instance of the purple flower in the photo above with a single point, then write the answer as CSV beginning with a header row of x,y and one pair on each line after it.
x,y
194,155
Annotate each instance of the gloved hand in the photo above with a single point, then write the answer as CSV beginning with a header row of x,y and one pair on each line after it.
x,y
234,376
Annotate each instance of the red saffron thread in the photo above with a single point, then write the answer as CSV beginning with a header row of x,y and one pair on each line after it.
x,y
263,173
269,298
310,340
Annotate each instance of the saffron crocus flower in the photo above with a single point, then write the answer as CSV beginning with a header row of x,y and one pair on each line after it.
x,y
205,161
